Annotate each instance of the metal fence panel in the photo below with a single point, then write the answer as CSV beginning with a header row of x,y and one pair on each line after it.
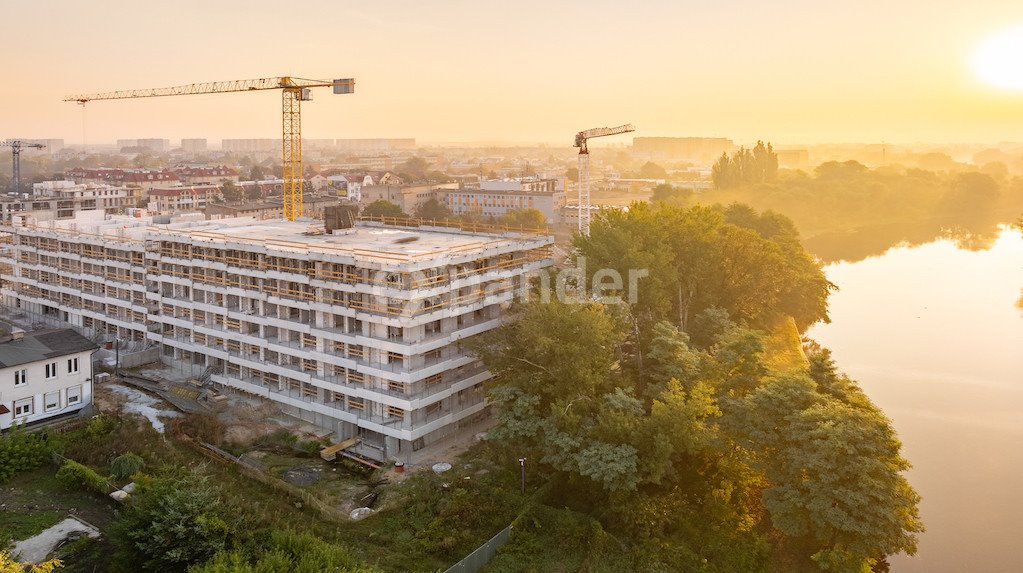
x,y
475,561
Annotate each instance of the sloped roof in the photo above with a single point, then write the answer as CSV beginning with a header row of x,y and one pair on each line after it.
x,y
41,345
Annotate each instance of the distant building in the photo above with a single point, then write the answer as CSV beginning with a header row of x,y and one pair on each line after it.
x,y
377,144
250,145
196,175
153,144
349,186
499,196
695,149
255,209
408,197
56,200
193,145
177,199
793,158
44,374
144,179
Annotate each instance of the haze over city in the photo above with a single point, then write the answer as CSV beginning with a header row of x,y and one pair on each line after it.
x,y
794,71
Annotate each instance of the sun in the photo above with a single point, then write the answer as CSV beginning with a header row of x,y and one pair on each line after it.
x,y
999,59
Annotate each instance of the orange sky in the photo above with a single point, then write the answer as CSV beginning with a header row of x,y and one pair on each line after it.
x,y
524,71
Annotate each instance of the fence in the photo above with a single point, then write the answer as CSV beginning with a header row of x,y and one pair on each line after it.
x,y
260,475
478,559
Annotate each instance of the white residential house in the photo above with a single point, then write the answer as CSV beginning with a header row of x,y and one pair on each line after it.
x,y
44,374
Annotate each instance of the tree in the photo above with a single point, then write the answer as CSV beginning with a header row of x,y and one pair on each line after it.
x,y
413,169
253,193
696,259
745,167
668,193
383,208
126,465
834,469
431,209
256,173
527,218
231,192
438,177
170,524
651,170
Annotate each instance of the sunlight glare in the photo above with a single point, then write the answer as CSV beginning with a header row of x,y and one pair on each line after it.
x,y
999,60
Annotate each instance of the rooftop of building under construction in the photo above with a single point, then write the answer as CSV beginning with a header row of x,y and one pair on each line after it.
x,y
394,242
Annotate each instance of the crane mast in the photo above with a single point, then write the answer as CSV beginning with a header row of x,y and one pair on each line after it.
x,y
581,140
16,145
293,92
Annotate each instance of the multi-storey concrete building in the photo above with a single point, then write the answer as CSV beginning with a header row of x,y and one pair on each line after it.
x,y
193,145
63,199
499,196
169,200
360,331
44,374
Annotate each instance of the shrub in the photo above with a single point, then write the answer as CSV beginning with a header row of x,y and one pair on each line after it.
x,y
73,475
203,427
20,451
170,524
288,552
126,465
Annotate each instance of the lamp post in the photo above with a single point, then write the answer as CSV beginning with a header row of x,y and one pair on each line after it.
x,y
522,465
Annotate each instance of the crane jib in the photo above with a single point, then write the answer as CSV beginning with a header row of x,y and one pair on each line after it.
x,y
294,90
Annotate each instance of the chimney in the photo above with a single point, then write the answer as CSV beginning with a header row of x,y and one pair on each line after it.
x,y
17,334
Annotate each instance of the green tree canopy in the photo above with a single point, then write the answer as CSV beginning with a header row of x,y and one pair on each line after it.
x,y
528,218
681,449
383,208
697,259
231,192
667,193
745,167
171,523
651,170
432,209
413,169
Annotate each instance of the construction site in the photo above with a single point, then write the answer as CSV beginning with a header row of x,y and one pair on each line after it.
x,y
360,331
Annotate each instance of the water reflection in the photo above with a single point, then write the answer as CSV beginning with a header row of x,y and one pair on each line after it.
x,y
934,336
977,231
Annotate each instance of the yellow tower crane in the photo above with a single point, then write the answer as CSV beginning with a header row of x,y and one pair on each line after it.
x,y
293,90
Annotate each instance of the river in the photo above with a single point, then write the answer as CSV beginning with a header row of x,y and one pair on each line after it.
x,y
934,335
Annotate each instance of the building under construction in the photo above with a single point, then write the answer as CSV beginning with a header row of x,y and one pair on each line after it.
x,y
360,330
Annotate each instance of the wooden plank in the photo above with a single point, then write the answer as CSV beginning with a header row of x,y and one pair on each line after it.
x,y
330,452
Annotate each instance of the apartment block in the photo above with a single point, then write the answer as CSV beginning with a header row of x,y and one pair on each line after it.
x,y
498,196
63,199
44,374
361,331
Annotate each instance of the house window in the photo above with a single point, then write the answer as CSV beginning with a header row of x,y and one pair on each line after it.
x,y
51,370
20,377
72,366
51,401
74,395
23,407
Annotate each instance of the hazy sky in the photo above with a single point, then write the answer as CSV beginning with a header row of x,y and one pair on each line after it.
x,y
444,71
